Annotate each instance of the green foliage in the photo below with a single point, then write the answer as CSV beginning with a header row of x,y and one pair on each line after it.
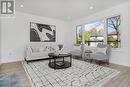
x,y
80,34
114,42
110,38
87,35
79,37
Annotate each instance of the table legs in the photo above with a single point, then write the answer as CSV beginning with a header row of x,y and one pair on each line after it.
x,y
70,60
63,60
54,63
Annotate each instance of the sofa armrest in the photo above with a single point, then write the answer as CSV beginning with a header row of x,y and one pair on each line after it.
x,y
28,51
76,52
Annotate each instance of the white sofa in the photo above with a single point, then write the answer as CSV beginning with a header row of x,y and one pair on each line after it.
x,y
39,51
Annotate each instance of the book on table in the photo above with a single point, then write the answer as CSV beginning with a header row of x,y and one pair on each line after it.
x,y
59,63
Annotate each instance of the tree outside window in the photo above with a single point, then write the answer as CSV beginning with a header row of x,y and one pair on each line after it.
x,y
94,33
113,31
78,34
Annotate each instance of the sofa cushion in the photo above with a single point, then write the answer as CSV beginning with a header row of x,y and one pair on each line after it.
x,y
99,56
101,50
34,49
39,54
93,49
41,49
76,52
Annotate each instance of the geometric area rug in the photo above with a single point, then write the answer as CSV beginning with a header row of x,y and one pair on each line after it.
x,y
81,74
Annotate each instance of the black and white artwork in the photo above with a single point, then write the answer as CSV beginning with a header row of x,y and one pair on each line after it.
x,y
42,32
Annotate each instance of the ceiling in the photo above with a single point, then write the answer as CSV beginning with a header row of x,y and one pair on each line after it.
x,y
65,9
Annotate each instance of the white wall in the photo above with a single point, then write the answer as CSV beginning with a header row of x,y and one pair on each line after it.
x,y
122,55
16,34
0,41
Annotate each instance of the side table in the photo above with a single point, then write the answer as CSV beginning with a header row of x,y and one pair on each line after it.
x,y
88,54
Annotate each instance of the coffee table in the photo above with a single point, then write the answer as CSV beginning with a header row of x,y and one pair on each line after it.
x,y
55,64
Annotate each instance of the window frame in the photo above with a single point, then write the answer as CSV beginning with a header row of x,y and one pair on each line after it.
x,y
103,41
76,34
105,31
118,36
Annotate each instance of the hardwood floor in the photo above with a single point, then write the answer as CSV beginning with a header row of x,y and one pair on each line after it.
x,y
121,80
18,68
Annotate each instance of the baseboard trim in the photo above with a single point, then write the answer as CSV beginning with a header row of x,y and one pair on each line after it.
x,y
11,61
120,64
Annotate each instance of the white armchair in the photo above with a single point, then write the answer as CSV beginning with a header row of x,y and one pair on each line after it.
x,y
103,54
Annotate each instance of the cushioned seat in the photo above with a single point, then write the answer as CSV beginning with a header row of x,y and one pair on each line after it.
x,y
99,56
104,55
76,52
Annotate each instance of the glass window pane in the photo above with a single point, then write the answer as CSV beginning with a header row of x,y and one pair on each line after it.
x,y
114,44
79,34
113,31
94,33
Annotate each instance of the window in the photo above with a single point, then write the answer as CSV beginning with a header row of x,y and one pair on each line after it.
x,y
94,33
78,34
104,31
113,31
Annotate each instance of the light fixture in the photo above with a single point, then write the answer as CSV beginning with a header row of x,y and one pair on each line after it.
x,y
91,7
21,6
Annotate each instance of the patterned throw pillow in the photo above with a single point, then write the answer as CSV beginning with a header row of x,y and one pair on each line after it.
x,y
49,48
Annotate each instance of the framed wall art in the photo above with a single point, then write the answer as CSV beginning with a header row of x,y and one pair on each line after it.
x,y
42,32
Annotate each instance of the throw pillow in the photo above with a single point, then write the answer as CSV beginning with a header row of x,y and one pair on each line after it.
x,y
48,49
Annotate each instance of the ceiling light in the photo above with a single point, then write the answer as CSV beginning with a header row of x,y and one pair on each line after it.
x,y
21,6
91,7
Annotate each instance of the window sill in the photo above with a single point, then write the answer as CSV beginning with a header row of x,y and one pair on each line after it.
x,y
116,49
